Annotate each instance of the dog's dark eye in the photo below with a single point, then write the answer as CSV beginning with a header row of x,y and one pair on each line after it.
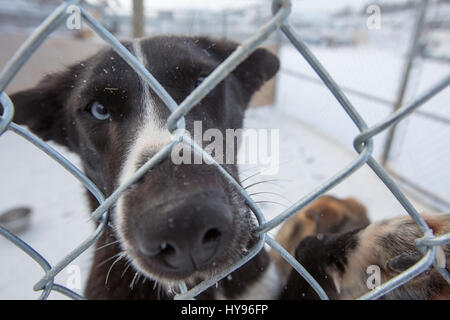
x,y
199,80
98,111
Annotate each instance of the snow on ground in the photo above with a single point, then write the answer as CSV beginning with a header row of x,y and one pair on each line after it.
x,y
60,215
308,159
421,149
59,218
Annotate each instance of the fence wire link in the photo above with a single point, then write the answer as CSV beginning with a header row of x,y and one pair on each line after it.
x,y
362,143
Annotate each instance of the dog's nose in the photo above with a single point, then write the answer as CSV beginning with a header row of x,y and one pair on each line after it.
x,y
187,235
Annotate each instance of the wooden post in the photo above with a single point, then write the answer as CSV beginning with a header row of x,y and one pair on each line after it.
x,y
138,19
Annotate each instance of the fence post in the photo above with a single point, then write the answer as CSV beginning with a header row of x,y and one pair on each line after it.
x,y
138,19
415,46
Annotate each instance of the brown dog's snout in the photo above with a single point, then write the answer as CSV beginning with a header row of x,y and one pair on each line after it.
x,y
185,235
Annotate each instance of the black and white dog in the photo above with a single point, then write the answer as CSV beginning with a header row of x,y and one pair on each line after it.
x,y
179,222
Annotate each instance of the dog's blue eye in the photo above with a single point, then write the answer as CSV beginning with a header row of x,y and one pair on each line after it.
x,y
199,81
98,111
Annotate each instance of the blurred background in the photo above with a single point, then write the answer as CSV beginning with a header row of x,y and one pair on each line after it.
x,y
383,54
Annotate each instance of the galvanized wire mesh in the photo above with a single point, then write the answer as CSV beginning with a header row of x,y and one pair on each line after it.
x,y
362,143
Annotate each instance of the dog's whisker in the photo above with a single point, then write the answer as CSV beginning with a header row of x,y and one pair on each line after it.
x,y
271,193
138,277
268,200
248,169
122,254
269,181
108,244
260,172
261,196
127,266
273,202
132,280
169,289
109,259
159,288
250,176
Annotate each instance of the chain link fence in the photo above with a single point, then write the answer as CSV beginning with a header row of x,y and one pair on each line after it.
x,y
378,89
363,145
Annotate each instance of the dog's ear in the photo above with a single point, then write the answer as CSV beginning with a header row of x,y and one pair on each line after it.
x,y
259,67
326,218
41,108
406,260
403,261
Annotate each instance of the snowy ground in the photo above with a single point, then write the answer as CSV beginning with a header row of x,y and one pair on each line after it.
x,y
60,216
421,149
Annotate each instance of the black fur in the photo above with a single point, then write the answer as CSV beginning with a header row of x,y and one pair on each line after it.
x,y
317,255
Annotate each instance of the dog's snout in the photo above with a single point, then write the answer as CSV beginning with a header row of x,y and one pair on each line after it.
x,y
185,236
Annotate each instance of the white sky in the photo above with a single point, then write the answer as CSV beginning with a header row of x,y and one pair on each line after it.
x,y
183,4
298,5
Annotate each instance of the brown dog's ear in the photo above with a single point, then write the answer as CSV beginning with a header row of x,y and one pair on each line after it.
x,y
403,261
41,108
406,260
259,67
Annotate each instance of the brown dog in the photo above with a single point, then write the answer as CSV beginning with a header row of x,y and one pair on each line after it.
x,y
327,214
345,264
